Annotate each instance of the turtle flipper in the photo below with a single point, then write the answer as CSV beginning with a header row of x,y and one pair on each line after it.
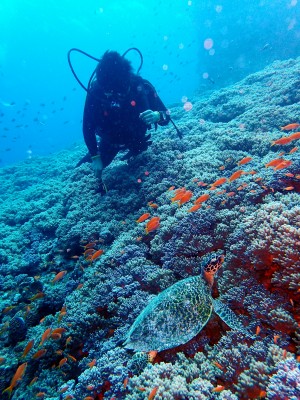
x,y
229,317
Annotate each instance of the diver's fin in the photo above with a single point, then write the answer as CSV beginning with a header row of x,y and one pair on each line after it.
x,y
86,158
229,317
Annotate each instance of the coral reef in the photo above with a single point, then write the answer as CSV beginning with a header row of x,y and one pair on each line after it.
x,y
76,268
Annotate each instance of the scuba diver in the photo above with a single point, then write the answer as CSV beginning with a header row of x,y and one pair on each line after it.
x,y
120,107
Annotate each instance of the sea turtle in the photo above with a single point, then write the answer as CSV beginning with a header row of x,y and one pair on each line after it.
x,y
179,313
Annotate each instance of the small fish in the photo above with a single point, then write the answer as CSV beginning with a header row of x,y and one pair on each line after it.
x,y
289,188
153,393
295,136
59,330
258,329
275,339
71,358
289,174
89,245
125,382
290,127
219,182
202,198
143,218
62,362
283,164
245,160
59,276
231,194
218,389
274,162
152,225
171,188
283,140
16,378
55,336
92,363
153,205
97,254
45,336
218,365
27,348
37,296
236,175
222,168
40,395
294,149
151,355
194,208
33,381
186,197
262,394
39,354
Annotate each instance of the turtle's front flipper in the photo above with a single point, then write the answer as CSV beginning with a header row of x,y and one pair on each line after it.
x,y
229,317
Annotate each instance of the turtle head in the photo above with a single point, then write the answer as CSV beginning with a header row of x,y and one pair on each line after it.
x,y
211,267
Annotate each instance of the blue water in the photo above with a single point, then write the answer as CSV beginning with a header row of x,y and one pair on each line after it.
x,y
41,103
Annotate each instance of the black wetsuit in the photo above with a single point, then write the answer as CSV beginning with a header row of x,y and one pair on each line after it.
x,y
116,120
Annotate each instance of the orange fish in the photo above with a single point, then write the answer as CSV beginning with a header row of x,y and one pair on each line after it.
x,y
89,245
88,252
276,337
92,363
143,218
39,295
39,354
283,164
295,136
186,197
194,208
62,362
283,140
257,330
153,205
290,127
262,394
33,381
222,168
72,358
97,254
55,336
274,162
151,355
218,365
153,393
59,276
202,198
230,194
45,336
40,394
125,383
27,348
289,188
294,149
16,378
171,188
236,175
178,195
289,174
153,224
218,388
245,160
59,330
219,182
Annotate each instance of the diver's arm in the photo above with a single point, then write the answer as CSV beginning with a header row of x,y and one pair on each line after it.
x,y
157,105
89,126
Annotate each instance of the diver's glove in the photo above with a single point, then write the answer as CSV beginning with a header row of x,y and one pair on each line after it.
x,y
97,166
150,117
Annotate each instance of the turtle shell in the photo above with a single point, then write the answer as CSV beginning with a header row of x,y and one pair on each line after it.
x,y
173,317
